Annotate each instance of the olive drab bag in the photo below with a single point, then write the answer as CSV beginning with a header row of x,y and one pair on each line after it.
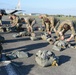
x,y
46,58
60,45
45,36
17,54
20,34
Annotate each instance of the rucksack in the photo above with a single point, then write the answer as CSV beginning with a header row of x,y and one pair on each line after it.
x,y
60,45
46,58
17,54
45,36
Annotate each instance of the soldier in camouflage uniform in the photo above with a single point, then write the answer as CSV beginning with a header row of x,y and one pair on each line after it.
x,y
30,22
15,22
2,12
50,23
64,27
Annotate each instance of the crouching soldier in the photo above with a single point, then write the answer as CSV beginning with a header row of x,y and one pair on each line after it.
x,y
64,27
30,22
15,23
50,23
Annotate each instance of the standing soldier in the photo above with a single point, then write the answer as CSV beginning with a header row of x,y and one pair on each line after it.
x,y
64,27
2,12
30,22
15,22
50,23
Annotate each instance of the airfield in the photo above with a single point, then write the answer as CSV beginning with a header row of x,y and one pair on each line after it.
x,y
28,66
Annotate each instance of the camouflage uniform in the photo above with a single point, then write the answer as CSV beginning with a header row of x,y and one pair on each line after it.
x,y
30,22
0,22
51,23
63,31
74,24
2,12
16,23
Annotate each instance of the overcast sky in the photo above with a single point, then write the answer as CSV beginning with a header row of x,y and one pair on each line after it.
x,y
65,7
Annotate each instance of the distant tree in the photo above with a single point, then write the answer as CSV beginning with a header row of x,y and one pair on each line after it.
x,y
70,16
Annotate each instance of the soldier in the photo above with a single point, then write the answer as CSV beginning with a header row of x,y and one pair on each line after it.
x,y
2,12
64,27
15,22
30,22
50,23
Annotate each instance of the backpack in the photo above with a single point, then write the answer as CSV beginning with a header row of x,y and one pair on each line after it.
x,y
60,45
17,54
45,36
46,58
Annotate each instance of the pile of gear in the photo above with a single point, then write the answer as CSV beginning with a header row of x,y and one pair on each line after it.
x,y
20,34
45,36
5,28
61,45
58,45
25,33
48,38
17,54
46,58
